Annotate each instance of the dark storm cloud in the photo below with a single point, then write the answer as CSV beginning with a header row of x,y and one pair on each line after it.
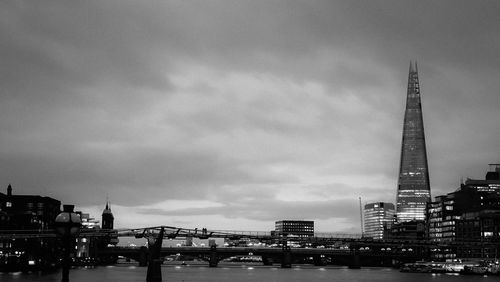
x,y
218,99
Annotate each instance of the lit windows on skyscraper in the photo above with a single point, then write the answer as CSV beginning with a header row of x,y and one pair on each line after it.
x,y
413,181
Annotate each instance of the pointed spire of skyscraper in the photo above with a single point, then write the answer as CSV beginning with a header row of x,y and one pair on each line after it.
x,y
413,181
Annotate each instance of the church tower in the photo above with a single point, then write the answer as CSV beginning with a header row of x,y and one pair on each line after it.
x,y
107,217
413,183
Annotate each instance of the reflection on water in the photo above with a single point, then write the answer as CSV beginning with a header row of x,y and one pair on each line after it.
x,y
244,273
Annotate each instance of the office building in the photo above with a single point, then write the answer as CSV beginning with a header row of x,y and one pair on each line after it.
x,y
413,191
470,215
299,228
378,219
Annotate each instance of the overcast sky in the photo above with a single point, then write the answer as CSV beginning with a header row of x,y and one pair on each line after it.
x,y
235,114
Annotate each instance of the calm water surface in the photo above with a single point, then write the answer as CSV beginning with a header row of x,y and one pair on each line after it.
x,y
244,273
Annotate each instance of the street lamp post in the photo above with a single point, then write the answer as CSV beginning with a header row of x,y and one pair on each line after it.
x,y
68,226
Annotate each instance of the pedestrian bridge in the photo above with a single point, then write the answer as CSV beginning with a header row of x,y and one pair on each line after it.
x,y
284,256
342,249
338,247
171,232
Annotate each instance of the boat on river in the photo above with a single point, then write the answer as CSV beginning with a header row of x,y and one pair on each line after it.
x,y
483,267
438,267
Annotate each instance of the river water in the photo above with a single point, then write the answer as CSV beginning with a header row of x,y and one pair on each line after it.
x,y
243,273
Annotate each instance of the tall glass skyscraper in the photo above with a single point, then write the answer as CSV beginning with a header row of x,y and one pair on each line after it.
x,y
413,184
378,219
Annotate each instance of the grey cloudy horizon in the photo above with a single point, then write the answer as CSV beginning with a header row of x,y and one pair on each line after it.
x,y
234,114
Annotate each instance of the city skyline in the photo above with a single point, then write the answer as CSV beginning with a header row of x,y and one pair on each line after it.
x,y
229,115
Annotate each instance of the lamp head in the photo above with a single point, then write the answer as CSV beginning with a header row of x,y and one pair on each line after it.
x,y
67,222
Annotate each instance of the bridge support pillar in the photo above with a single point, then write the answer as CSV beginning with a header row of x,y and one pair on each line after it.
x,y
319,260
267,260
154,267
286,259
355,260
214,259
143,256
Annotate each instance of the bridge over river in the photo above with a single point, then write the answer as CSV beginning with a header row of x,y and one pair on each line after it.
x,y
336,248
269,255
341,249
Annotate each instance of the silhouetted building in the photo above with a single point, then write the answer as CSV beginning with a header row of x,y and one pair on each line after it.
x,y
299,228
27,214
413,181
379,218
107,226
107,217
470,215
4,217
29,211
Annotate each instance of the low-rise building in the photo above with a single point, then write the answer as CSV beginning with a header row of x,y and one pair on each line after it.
x,y
299,228
27,214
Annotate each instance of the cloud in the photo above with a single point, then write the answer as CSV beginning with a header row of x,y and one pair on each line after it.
x,y
266,109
